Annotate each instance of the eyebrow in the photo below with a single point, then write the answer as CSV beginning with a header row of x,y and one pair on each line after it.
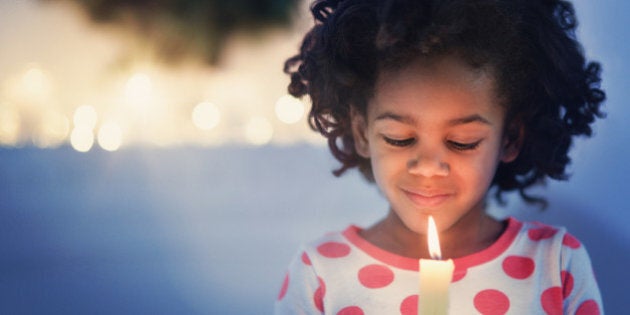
x,y
408,120
475,118
399,118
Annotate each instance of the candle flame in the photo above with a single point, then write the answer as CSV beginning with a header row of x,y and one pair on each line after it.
x,y
434,242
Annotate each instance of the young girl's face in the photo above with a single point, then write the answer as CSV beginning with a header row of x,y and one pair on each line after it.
x,y
434,134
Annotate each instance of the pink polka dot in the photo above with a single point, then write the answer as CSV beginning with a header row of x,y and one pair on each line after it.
x,y
492,302
375,276
333,249
567,283
459,274
285,287
570,241
305,259
318,298
551,300
588,307
409,305
350,310
518,267
541,233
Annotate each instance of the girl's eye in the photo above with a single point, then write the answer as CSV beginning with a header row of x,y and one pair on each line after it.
x,y
399,143
464,146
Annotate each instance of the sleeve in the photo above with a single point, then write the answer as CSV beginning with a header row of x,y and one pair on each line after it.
x,y
579,287
302,291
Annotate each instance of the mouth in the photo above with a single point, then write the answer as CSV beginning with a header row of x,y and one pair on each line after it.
x,y
427,199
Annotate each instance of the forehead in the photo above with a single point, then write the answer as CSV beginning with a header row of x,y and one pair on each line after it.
x,y
445,85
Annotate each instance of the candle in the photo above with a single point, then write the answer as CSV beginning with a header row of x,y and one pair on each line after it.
x,y
435,277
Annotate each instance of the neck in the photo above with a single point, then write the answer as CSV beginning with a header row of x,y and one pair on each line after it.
x,y
473,232
470,235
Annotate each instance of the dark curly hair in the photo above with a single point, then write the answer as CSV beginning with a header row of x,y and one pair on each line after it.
x,y
548,88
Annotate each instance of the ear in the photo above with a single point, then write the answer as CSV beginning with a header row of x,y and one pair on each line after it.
x,y
359,132
512,143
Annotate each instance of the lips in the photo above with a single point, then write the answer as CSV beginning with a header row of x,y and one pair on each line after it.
x,y
427,198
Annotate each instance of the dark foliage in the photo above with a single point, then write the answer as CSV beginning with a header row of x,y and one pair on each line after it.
x,y
178,28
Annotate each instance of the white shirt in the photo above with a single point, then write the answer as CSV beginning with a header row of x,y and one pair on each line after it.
x,y
531,269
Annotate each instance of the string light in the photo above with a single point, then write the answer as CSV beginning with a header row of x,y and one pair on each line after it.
x,y
85,116
82,139
289,109
258,131
110,136
206,116
54,130
35,84
9,126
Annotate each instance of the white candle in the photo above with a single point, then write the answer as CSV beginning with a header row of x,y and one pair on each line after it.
x,y
435,277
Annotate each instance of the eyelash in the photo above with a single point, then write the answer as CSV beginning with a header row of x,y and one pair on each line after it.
x,y
454,145
399,143
464,146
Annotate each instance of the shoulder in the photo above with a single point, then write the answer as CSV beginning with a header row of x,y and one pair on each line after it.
x,y
328,246
321,274
550,243
542,234
567,270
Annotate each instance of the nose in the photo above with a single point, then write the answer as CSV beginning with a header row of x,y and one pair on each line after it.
x,y
428,165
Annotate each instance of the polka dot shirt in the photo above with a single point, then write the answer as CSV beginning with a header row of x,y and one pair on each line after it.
x,y
531,269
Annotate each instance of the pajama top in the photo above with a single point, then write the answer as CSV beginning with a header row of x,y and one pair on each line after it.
x,y
532,268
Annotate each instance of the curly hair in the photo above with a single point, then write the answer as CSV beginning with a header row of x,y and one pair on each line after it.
x,y
548,87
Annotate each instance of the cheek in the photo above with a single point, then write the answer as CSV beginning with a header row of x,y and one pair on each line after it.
x,y
481,169
386,166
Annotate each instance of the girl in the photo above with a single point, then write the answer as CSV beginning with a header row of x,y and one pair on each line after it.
x,y
437,102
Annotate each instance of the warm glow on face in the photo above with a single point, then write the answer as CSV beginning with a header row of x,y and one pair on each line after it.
x,y
206,116
289,109
258,131
82,139
110,136
434,242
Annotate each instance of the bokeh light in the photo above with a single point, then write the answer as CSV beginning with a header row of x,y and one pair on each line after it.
x,y
9,126
53,131
34,79
258,131
190,102
110,136
138,90
35,84
289,109
82,139
206,116
85,117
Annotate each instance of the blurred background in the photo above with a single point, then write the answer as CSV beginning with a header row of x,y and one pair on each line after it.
x,y
152,163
